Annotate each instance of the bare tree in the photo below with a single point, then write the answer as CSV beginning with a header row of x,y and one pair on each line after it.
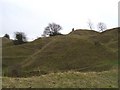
x,y
101,26
90,24
52,29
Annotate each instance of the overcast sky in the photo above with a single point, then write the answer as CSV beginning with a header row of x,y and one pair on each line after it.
x,y
32,16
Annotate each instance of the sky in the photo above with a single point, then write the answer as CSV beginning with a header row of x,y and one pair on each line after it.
x,y
32,16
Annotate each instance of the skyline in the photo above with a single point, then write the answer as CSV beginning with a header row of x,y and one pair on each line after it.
x,y
32,16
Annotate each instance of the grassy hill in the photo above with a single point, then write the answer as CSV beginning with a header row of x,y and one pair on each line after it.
x,y
68,53
81,50
15,54
82,58
6,42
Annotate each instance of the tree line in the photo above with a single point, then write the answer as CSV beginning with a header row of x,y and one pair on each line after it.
x,y
20,38
101,26
51,30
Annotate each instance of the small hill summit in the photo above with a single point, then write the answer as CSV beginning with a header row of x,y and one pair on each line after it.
x,y
84,32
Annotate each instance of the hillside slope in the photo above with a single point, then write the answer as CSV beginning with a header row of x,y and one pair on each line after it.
x,y
15,54
81,50
6,42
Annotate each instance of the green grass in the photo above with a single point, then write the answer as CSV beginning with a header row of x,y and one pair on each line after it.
x,y
83,59
81,50
68,53
6,42
12,55
70,79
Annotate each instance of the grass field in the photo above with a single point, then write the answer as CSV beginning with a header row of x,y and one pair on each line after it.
x,y
70,79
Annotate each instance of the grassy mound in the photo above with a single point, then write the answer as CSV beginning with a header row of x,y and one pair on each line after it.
x,y
6,42
15,54
81,50
84,32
